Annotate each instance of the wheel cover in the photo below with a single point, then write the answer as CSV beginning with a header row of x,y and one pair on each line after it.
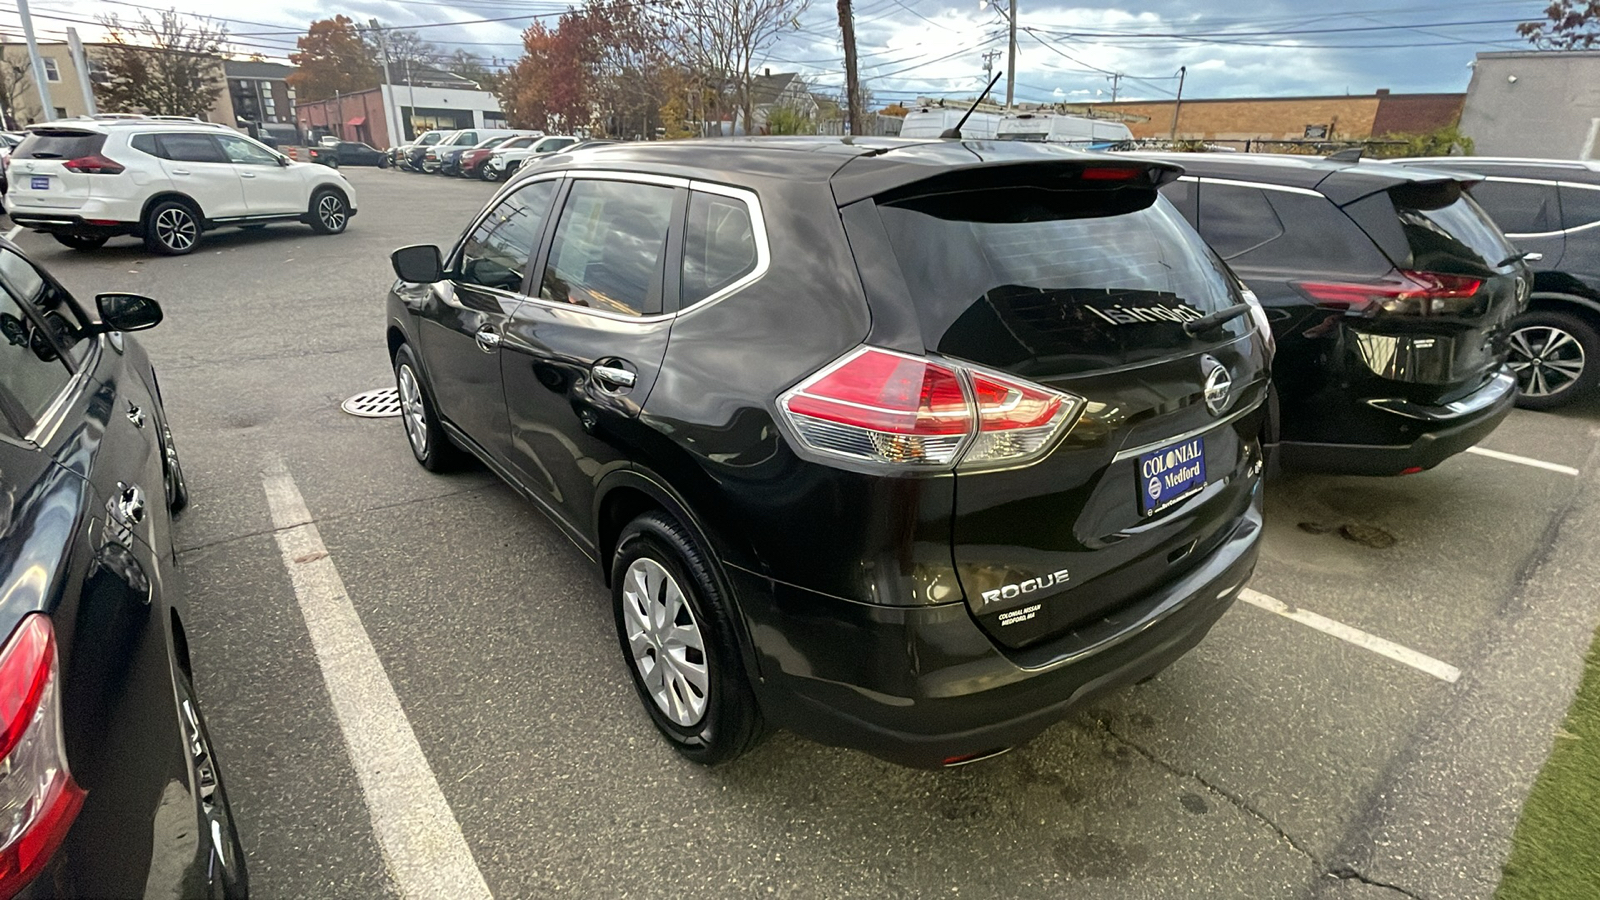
x,y
330,210
664,641
1547,360
412,412
176,229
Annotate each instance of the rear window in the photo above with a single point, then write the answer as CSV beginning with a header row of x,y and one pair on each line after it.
x,y
1084,278
60,145
1446,230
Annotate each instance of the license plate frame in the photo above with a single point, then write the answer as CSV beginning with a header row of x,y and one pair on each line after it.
x,y
39,182
1171,474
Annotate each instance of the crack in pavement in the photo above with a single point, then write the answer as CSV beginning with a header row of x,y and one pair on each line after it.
x,y
1348,873
1238,801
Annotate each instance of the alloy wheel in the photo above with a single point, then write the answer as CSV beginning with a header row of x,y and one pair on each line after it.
x,y
412,412
1547,360
176,228
330,209
665,642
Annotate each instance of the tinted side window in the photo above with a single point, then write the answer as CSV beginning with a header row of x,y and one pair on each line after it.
x,y
30,370
145,143
608,248
190,148
1317,237
1579,206
1183,194
719,245
1519,208
1235,220
498,251
28,285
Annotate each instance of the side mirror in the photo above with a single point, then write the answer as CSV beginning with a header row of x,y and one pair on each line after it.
x,y
418,264
127,312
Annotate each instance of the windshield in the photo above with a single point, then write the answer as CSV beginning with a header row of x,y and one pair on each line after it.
x,y
1082,278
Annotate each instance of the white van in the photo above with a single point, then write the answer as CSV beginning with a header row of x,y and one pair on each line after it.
x,y
1054,128
932,121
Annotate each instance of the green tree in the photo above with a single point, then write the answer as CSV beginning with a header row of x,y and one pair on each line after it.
x,y
1567,25
166,66
1445,141
788,120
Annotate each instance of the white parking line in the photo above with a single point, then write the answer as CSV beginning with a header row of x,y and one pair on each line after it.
x,y
1523,460
421,841
12,234
1421,661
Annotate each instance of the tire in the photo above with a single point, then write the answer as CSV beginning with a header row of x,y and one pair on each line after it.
x,y
489,173
665,599
231,879
171,228
330,212
1556,356
432,448
81,241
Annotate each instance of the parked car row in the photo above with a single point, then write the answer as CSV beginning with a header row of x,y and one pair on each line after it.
x,y
948,437
489,154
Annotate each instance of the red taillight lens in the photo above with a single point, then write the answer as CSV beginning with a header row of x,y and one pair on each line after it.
x,y
1403,292
887,407
38,798
94,165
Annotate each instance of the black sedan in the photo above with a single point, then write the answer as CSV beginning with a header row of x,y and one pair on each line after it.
x,y
355,153
108,770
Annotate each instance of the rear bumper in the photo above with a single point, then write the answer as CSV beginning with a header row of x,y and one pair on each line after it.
x,y
71,223
1439,433
921,686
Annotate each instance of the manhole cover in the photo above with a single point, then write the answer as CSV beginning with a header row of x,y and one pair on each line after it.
x,y
383,403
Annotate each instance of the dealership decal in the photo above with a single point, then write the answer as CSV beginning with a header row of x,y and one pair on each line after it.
x,y
1117,314
1019,615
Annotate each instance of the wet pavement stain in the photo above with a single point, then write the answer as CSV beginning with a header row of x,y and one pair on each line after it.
x,y
1193,803
1367,535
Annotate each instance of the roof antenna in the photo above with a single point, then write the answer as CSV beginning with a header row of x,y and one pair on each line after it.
x,y
956,131
1348,154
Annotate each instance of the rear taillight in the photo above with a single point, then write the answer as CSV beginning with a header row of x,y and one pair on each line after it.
x,y
888,407
1401,293
38,798
94,164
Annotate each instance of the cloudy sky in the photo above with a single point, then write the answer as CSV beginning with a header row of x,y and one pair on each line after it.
x,y
912,48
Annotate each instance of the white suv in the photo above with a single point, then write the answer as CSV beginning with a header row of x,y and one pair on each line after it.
x,y
505,160
87,180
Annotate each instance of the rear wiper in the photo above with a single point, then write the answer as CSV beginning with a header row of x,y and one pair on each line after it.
x,y
1203,324
43,154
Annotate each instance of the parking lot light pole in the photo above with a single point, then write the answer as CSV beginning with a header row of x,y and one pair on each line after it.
x,y
393,120
1178,104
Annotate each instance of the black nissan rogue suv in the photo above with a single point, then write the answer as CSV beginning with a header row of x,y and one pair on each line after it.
x,y
1389,293
908,447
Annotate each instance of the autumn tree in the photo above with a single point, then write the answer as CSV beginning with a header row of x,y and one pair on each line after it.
x,y
546,89
470,67
1567,25
166,66
333,58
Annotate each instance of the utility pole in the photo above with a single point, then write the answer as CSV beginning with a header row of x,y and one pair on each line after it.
x,y
852,87
49,112
1178,104
391,99
81,63
1116,79
1011,62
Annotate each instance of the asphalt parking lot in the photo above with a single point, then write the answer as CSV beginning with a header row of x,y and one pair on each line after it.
x,y
1379,747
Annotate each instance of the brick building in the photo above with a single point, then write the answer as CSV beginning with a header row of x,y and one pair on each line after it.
x,y
1291,118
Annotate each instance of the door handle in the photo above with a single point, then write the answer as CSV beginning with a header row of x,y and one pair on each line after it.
x,y
127,507
136,416
180,171
488,339
247,174
615,375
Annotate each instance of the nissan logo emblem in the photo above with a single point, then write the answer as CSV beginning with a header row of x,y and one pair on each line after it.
x,y
1219,385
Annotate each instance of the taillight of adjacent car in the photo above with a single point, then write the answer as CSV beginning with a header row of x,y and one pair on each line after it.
x,y
38,798
1402,292
93,164
886,407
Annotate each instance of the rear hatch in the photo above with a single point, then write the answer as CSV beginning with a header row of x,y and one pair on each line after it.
x,y
1434,329
1079,278
56,167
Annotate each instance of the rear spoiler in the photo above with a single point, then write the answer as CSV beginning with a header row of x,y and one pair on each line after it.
x,y
873,175
1352,183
